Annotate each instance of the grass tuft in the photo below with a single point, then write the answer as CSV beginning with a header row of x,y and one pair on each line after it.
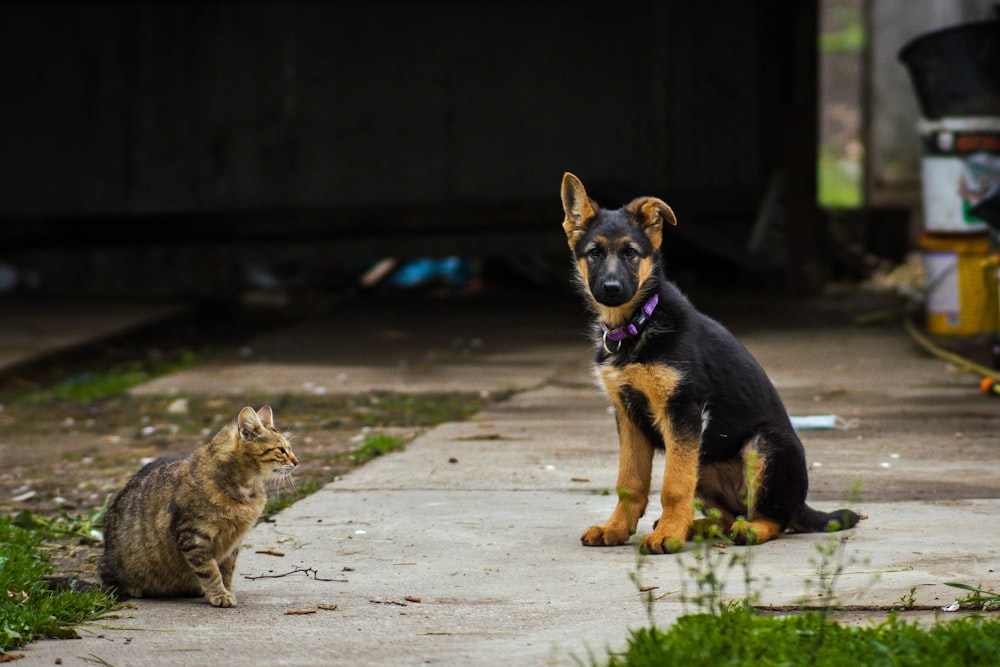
x,y
29,607
738,632
372,446
280,501
738,635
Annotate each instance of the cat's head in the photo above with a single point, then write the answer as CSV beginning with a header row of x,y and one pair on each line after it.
x,y
261,442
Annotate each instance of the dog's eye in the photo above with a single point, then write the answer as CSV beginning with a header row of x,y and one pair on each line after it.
x,y
629,253
594,252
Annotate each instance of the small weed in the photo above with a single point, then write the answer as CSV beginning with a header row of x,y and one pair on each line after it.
x,y
985,600
909,600
86,528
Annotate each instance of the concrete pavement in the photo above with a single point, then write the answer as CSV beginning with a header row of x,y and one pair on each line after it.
x,y
35,328
464,548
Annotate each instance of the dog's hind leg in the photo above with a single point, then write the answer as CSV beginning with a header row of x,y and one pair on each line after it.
x,y
736,501
739,529
718,523
635,465
770,491
756,531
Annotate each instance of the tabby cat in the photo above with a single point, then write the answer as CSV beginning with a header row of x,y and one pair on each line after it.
x,y
175,529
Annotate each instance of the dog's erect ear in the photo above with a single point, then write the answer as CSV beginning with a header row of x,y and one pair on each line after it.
x,y
577,207
652,213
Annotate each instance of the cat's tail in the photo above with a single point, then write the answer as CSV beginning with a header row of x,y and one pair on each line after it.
x,y
109,582
73,583
808,520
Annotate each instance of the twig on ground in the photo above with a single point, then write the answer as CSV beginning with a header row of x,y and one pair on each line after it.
x,y
308,571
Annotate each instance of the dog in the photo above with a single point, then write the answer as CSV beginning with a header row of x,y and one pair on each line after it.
x,y
681,382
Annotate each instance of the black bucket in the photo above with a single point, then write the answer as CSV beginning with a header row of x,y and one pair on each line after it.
x,y
956,70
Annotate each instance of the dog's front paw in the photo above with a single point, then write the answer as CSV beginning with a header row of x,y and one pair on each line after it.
x,y
657,543
600,536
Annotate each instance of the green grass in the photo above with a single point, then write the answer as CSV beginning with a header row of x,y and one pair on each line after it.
x,y
279,501
120,377
113,380
372,446
29,608
741,636
739,632
417,409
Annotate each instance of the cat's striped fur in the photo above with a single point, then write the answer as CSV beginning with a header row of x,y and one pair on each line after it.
x,y
175,528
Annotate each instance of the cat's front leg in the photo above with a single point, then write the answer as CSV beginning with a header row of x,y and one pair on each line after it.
x,y
227,566
216,588
197,550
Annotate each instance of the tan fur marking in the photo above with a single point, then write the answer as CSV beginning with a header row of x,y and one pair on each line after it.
x,y
758,531
680,475
617,316
754,466
733,485
711,526
582,273
635,465
680,478
652,213
577,206
758,528
658,384
645,270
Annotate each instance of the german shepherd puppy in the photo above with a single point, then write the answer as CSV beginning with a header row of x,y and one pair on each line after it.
x,y
680,382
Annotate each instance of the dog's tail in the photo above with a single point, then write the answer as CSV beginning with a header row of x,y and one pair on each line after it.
x,y
808,520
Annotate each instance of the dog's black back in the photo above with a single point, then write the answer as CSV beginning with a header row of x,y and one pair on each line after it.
x,y
725,396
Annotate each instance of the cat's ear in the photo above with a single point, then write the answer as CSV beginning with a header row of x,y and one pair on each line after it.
x,y
248,423
266,416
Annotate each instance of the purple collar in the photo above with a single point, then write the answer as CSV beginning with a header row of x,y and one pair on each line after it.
x,y
634,325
